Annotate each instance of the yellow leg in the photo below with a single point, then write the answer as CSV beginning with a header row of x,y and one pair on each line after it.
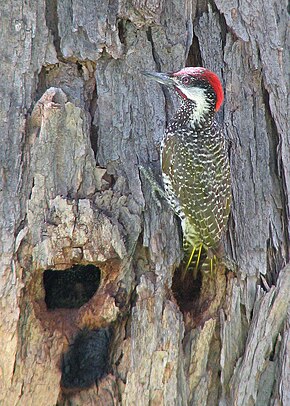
x,y
197,262
190,258
198,257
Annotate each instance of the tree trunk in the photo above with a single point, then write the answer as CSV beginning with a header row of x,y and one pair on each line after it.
x,y
77,120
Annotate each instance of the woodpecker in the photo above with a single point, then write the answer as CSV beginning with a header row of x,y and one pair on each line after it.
x,y
194,161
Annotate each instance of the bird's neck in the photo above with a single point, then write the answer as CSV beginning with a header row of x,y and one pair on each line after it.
x,y
194,114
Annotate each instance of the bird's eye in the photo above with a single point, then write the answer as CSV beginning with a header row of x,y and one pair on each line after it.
x,y
186,80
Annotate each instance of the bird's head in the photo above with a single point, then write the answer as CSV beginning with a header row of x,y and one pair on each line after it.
x,y
193,83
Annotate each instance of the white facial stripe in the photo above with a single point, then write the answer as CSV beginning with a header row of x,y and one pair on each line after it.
x,y
197,95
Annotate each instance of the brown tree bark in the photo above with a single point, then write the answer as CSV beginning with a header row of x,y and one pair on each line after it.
x,y
77,119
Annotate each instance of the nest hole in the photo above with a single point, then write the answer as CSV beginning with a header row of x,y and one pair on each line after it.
x,y
70,288
187,290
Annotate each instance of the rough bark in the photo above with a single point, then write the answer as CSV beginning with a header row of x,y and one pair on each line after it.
x,y
77,118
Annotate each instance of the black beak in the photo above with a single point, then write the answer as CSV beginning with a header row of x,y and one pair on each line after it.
x,y
163,78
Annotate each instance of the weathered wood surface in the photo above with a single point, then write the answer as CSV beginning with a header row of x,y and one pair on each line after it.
x,y
77,118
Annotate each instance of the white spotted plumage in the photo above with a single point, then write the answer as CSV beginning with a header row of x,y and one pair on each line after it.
x,y
194,160
195,173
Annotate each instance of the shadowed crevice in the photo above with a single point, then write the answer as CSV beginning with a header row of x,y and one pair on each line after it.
x,y
194,54
94,130
51,17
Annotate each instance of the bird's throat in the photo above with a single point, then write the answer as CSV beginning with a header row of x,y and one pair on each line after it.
x,y
194,114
